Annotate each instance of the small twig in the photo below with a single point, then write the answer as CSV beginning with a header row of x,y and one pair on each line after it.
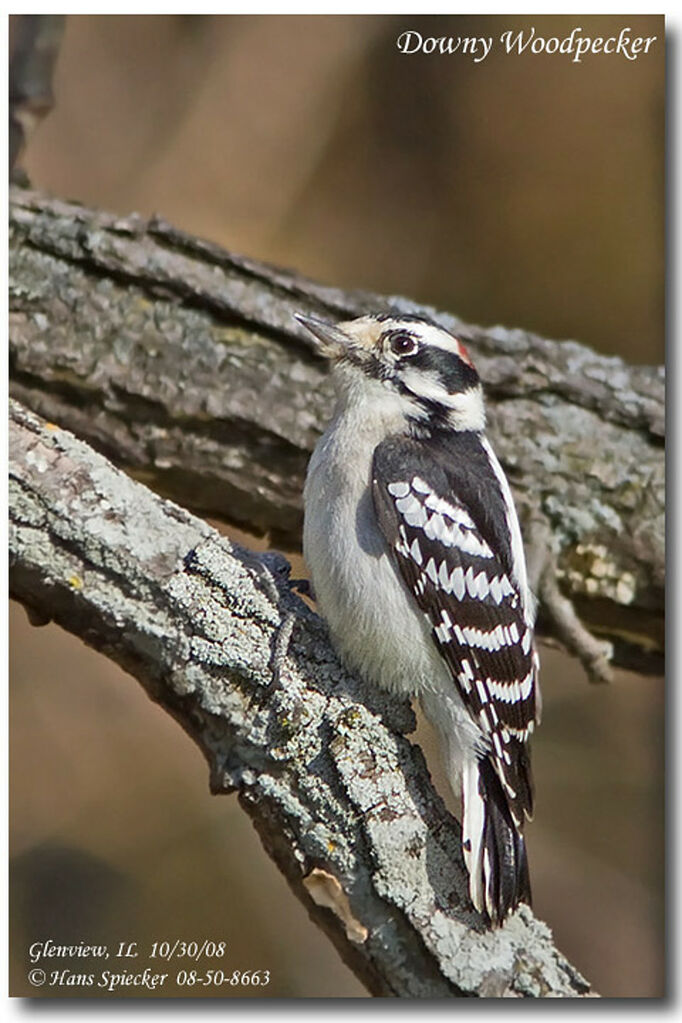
x,y
281,646
594,654
32,64
273,569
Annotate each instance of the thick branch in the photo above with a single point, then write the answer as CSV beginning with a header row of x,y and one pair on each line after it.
x,y
342,801
183,364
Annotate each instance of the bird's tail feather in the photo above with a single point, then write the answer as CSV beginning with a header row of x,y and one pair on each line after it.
x,y
494,848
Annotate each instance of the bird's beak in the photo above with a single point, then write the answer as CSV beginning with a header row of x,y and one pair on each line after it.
x,y
330,340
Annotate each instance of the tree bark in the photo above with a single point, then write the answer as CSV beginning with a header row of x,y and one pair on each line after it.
x,y
183,364
341,800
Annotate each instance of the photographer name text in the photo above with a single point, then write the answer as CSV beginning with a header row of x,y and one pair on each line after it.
x,y
575,45
201,966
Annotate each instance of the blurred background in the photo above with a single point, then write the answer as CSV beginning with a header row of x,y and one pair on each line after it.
x,y
525,190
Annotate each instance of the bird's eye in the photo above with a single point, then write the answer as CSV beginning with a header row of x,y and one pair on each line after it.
x,y
401,343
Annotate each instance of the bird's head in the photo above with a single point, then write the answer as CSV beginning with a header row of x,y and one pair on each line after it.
x,y
412,362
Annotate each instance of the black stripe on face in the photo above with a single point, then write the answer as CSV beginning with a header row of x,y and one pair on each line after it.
x,y
428,415
454,374
370,364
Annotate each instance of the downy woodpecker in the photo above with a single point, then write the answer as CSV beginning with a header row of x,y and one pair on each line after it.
x,y
415,554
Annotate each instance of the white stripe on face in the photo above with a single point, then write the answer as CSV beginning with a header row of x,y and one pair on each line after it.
x,y
466,408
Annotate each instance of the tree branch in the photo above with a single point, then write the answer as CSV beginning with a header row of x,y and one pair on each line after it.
x,y
31,69
341,800
183,364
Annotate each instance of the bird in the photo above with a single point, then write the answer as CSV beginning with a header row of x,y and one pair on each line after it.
x,y
416,559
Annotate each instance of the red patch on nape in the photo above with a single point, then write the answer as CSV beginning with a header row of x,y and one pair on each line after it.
x,y
464,354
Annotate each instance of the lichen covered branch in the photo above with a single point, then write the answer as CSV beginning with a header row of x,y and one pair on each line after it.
x,y
182,363
340,797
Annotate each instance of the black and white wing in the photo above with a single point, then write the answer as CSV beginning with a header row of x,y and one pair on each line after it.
x,y
445,517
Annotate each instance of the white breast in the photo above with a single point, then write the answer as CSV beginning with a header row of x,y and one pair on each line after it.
x,y
370,613
374,623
